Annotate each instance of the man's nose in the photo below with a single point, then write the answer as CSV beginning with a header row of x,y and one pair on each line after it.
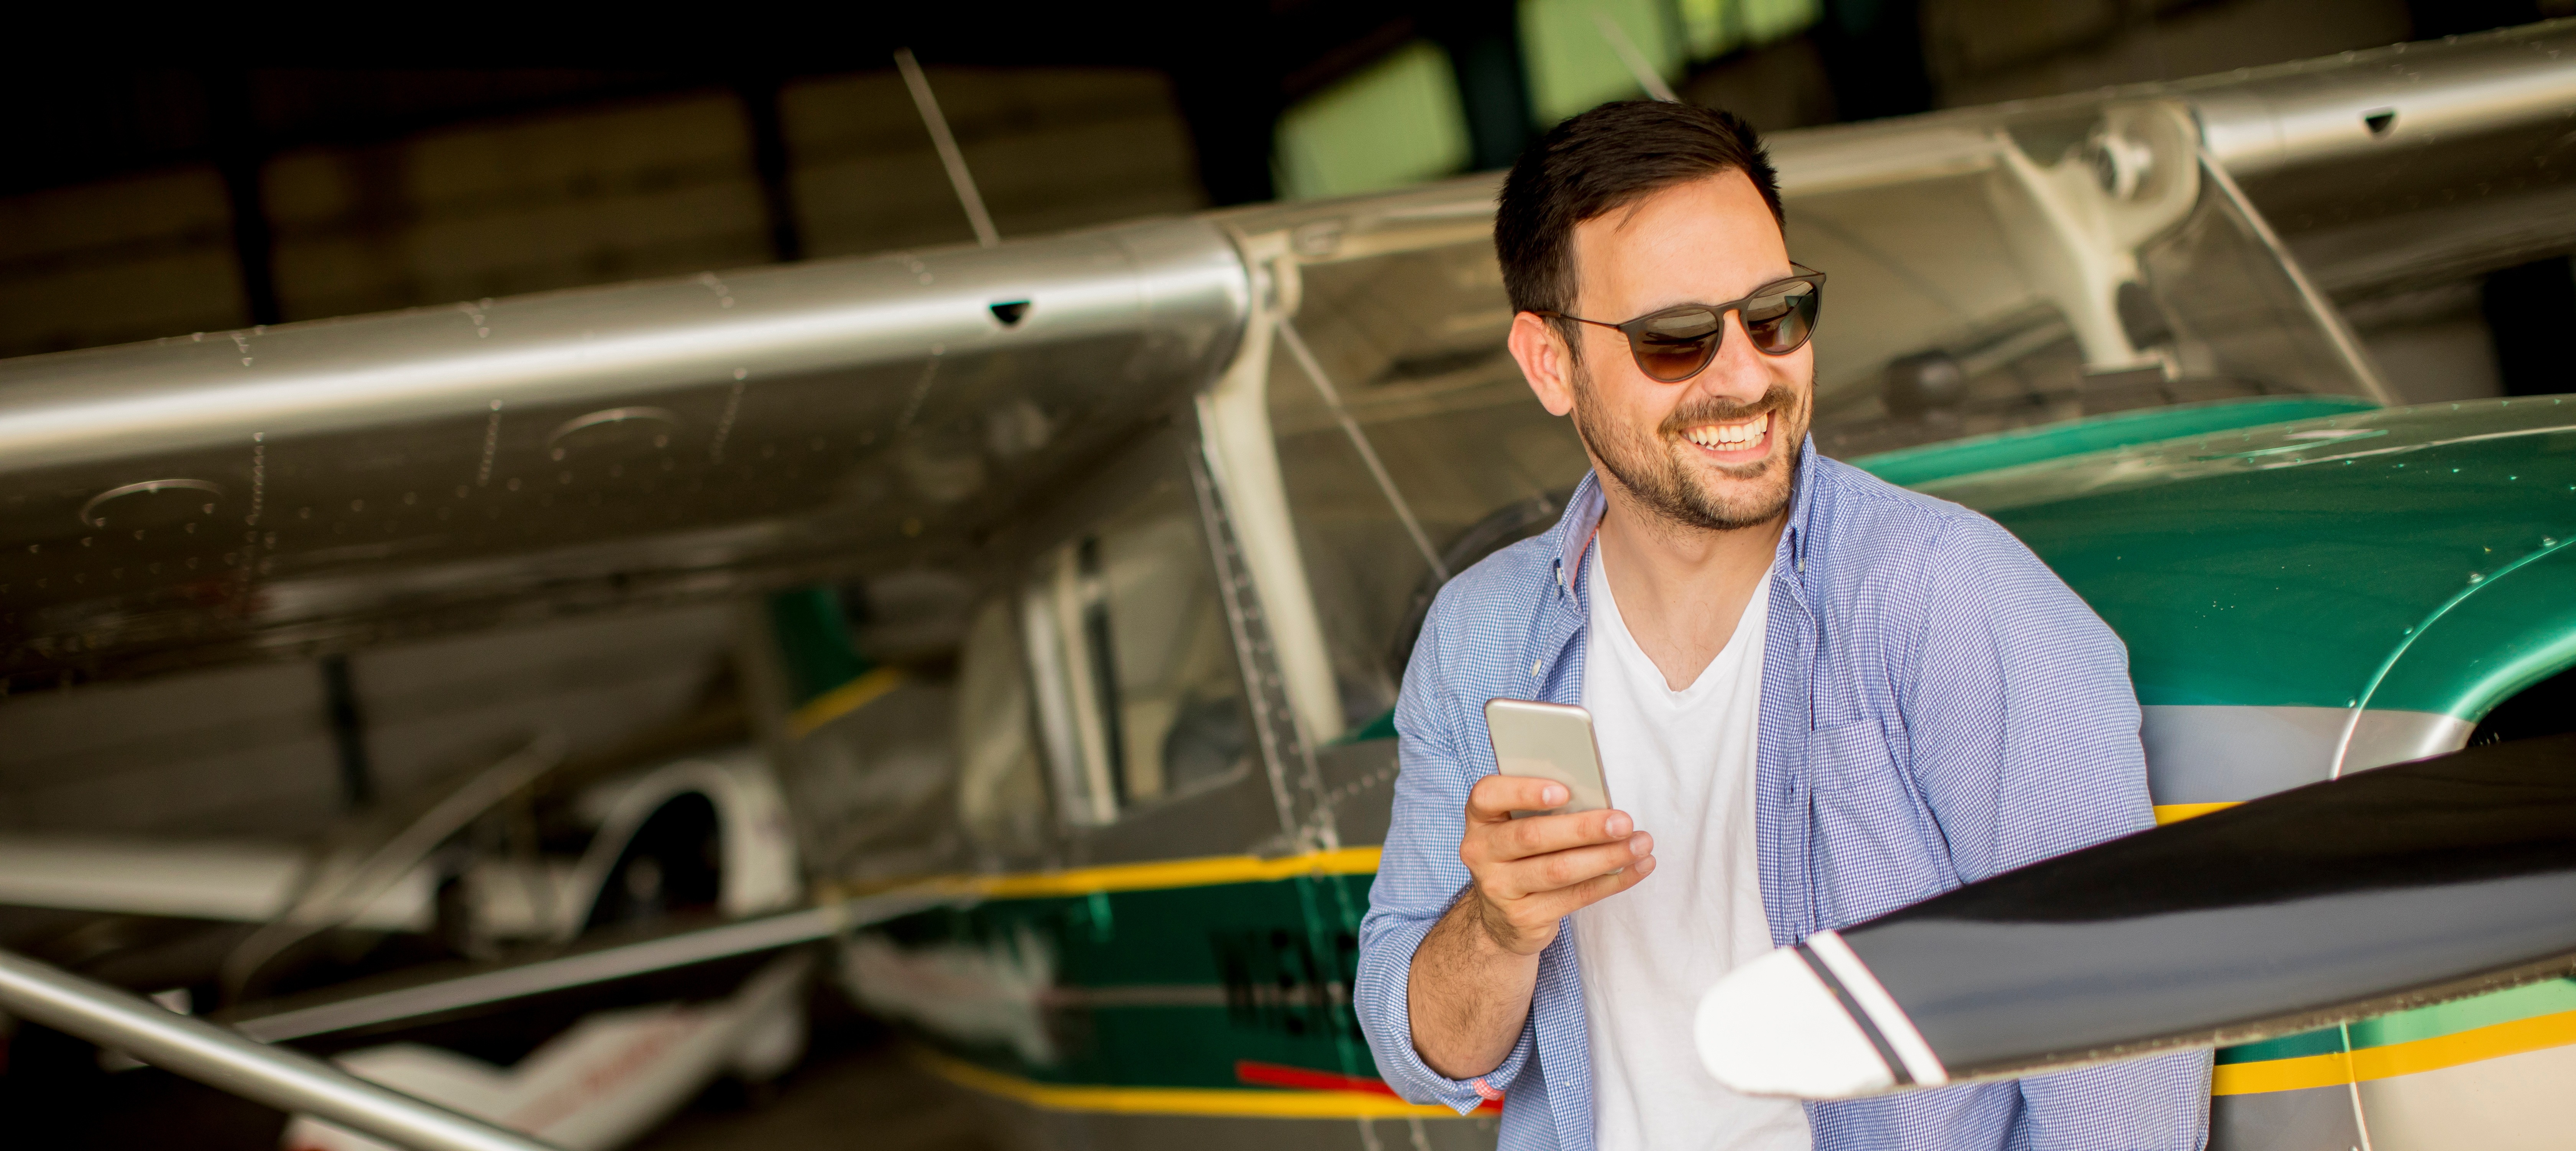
x,y
1739,372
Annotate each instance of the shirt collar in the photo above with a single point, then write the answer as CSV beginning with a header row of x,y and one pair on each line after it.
x,y
1582,521
1796,541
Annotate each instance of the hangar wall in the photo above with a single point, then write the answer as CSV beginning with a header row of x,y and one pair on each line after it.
x,y
619,189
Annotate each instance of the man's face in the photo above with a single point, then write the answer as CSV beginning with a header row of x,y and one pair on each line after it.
x,y
1716,451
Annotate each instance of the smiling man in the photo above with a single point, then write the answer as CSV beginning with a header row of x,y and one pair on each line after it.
x,y
1818,698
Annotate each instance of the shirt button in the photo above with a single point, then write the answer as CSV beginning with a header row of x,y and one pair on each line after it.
x,y
1534,665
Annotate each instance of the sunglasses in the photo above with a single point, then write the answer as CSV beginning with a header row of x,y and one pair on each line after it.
x,y
1676,343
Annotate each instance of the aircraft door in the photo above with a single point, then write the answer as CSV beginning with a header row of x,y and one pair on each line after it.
x,y
1140,706
1001,796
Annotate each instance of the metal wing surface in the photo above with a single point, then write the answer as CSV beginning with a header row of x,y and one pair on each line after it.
x,y
205,497
212,496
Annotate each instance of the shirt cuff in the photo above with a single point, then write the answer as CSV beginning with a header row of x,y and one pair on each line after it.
x,y
1385,1011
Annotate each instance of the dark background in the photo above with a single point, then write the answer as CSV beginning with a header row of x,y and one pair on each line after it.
x,y
388,163
245,171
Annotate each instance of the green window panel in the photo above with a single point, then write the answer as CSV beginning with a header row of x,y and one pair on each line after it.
x,y
1713,28
1769,20
814,644
1570,62
1395,123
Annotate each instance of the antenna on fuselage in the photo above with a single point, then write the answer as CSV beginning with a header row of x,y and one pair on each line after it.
x,y
949,157
1632,59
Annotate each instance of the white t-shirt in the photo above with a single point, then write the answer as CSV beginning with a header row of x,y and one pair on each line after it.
x,y
1681,764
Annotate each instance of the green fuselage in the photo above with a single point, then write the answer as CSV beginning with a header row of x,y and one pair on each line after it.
x,y
2401,559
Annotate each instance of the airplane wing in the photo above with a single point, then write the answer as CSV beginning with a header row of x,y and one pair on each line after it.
x,y
2390,889
213,496
219,495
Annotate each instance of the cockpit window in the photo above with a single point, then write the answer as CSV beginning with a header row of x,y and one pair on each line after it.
x,y
1138,697
1411,344
2036,289
1001,798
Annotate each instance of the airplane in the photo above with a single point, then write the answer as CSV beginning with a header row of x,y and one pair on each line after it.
x,y
1169,500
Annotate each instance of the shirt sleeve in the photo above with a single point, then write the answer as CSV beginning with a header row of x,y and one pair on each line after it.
x,y
1419,876
2022,724
2024,733
2160,1103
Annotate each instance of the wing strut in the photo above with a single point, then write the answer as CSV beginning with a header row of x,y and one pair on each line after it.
x,y
217,1056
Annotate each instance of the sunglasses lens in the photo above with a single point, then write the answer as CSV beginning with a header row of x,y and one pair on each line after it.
x,y
1781,321
1674,345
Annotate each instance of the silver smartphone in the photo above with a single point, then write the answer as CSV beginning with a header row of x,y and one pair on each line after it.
x,y
1548,741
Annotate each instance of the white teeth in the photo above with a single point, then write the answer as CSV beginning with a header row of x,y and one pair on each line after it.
x,y
1730,435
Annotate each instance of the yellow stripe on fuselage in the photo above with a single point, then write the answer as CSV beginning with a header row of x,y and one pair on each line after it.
x,y
1246,1102
2178,812
842,700
1206,871
2386,1062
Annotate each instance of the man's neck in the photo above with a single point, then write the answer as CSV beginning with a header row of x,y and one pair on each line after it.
x,y
1680,589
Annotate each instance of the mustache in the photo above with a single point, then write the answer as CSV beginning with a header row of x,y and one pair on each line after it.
x,y
1717,410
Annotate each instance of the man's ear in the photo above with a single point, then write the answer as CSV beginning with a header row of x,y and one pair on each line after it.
x,y
1545,362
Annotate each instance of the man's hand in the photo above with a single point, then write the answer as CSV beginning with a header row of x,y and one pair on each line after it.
x,y
1531,873
1469,990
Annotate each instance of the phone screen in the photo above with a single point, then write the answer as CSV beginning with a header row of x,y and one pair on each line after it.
x,y
1548,741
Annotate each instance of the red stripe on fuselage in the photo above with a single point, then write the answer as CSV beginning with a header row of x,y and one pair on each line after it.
x,y
1308,1079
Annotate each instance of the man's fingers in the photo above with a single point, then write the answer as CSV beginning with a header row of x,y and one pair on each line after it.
x,y
1510,839
1554,905
1540,834
1601,887
1496,797
1514,879
1560,869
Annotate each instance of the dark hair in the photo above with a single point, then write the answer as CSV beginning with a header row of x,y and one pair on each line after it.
x,y
1598,163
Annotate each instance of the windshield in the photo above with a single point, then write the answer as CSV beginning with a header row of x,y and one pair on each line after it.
x,y
1986,274
2062,274
1412,343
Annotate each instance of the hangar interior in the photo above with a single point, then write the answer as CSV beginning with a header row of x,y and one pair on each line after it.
x,y
146,203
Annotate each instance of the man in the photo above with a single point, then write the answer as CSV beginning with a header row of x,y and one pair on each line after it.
x,y
1818,698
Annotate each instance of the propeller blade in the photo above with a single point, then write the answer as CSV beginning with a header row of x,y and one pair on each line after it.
x,y
2389,889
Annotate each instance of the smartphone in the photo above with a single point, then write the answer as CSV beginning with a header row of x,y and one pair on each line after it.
x,y
1548,741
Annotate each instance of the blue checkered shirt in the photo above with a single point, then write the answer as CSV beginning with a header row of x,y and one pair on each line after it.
x,y
1937,707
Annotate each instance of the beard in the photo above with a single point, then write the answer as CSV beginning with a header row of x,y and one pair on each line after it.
x,y
1650,465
